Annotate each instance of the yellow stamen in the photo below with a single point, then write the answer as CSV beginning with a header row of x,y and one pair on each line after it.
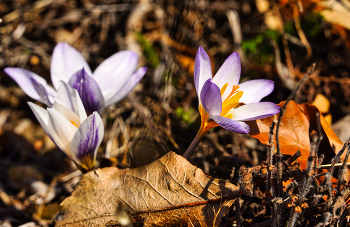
x,y
231,103
228,116
73,123
234,89
223,89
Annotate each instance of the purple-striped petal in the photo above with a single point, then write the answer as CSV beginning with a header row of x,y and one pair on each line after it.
x,y
211,98
32,84
255,90
229,72
113,72
254,111
127,87
40,89
88,90
65,62
202,70
86,141
231,125
70,98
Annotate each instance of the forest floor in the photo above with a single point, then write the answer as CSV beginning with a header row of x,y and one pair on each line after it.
x,y
276,41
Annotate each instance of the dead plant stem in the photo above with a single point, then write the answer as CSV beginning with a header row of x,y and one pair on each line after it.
x,y
310,71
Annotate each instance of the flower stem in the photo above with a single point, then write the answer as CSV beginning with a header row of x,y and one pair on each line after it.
x,y
195,142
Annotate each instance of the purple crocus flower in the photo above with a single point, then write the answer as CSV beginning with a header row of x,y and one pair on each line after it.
x,y
112,80
67,124
223,102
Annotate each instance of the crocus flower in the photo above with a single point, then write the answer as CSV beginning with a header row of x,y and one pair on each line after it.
x,y
112,80
67,124
223,102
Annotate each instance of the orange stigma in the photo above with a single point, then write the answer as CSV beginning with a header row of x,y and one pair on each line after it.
x,y
73,123
232,99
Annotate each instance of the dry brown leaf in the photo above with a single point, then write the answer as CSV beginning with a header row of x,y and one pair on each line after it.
x,y
297,123
168,192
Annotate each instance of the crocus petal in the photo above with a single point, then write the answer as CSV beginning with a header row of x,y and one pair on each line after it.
x,y
62,130
211,98
32,84
40,89
255,90
254,111
88,90
65,62
229,72
86,141
70,98
113,72
67,113
202,70
127,87
231,125
42,115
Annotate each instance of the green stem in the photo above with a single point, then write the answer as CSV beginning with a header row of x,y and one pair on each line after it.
x,y
195,142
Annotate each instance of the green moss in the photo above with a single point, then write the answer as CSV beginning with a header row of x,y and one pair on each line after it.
x,y
187,117
290,28
259,47
148,50
310,24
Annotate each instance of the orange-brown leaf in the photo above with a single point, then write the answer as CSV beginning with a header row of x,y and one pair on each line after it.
x,y
297,123
167,192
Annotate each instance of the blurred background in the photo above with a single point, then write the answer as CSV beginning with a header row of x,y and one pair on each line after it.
x,y
276,40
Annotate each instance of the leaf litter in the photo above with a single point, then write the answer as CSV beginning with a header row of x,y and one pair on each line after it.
x,y
327,205
167,192
297,123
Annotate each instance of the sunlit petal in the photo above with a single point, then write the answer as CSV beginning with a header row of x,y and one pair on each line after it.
x,y
42,115
114,72
229,72
255,90
40,89
67,113
70,98
62,130
202,69
65,62
32,84
254,111
127,87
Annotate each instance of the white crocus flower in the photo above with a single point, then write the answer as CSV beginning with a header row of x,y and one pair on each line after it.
x,y
67,124
112,80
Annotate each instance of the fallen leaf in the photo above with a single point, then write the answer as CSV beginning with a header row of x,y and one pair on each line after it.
x,y
297,123
168,192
